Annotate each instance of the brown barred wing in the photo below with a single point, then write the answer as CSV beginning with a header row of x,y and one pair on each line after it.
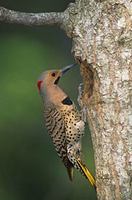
x,y
56,128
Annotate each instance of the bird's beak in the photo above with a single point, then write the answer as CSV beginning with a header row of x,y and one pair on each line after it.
x,y
67,68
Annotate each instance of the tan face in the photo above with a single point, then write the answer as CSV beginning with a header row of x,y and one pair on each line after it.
x,y
49,78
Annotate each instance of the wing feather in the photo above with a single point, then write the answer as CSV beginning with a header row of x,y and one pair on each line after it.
x,y
56,128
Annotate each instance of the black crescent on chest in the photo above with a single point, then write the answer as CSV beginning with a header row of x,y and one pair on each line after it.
x,y
67,101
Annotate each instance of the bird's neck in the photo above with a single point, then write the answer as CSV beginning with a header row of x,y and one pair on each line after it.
x,y
54,94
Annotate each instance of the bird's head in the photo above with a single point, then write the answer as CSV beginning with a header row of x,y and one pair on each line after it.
x,y
51,77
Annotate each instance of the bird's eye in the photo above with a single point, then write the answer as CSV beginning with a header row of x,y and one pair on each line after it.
x,y
53,74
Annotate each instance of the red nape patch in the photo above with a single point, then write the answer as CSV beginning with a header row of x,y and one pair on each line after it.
x,y
39,84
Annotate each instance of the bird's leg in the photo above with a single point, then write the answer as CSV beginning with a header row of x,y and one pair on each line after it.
x,y
80,102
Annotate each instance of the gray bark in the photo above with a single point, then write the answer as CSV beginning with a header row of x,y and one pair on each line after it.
x,y
102,43
30,19
102,38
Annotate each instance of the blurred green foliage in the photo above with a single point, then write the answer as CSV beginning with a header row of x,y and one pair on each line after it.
x,y
30,168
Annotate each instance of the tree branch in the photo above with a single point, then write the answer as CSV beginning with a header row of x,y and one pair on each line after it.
x,y
29,19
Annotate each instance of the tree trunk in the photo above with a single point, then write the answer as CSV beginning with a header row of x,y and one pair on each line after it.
x,y
102,43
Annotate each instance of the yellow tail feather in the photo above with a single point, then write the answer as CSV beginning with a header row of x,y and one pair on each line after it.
x,y
87,173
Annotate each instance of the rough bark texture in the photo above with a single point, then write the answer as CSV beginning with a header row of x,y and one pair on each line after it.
x,y
102,44
30,19
102,35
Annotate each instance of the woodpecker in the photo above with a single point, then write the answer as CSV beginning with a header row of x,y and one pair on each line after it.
x,y
63,122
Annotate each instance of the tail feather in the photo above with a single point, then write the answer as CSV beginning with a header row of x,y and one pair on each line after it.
x,y
69,167
70,173
87,173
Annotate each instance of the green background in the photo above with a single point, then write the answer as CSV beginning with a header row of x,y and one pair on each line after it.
x,y
30,168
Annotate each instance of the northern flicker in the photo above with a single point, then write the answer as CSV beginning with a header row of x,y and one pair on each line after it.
x,y
63,122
